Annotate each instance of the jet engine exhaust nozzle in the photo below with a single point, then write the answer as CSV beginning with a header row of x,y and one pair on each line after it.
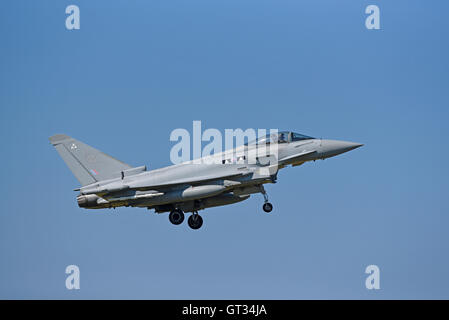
x,y
87,201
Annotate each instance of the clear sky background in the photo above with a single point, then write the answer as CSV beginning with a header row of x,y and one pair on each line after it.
x,y
136,70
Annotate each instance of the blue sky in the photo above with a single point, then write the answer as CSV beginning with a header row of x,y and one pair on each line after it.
x,y
137,70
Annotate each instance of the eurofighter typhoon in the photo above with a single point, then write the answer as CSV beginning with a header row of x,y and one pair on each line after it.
x,y
220,179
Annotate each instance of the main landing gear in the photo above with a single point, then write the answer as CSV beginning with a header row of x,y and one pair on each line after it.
x,y
195,221
267,206
176,217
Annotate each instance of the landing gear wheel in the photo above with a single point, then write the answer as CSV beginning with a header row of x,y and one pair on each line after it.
x,y
195,221
176,216
267,207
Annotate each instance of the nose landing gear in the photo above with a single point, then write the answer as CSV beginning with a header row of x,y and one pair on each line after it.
x,y
267,206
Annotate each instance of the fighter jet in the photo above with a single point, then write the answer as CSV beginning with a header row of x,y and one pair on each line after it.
x,y
220,179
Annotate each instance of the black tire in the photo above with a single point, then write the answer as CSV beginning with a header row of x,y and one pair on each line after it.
x,y
267,207
176,216
195,221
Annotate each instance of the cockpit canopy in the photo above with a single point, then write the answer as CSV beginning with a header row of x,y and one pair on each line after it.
x,y
280,137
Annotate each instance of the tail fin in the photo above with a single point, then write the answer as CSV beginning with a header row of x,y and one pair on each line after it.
x,y
86,163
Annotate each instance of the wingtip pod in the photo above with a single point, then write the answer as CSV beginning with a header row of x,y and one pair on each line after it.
x,y
58,138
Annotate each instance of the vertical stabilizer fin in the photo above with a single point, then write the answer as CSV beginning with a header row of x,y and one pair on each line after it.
x,y
86,163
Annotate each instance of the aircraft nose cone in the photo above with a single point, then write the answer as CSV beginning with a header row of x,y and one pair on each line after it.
x,y
347,146
334,147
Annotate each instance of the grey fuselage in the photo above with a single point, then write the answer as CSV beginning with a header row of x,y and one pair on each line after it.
x,y
223,178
